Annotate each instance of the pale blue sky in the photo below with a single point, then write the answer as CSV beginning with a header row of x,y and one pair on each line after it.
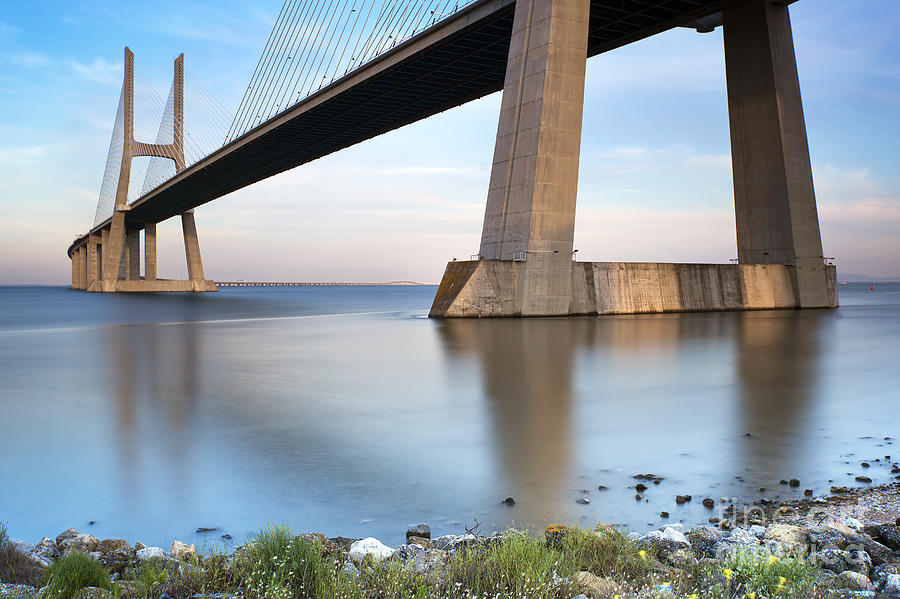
x,y
655,179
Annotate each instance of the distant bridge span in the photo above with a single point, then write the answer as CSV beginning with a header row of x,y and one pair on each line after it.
x,y
475,52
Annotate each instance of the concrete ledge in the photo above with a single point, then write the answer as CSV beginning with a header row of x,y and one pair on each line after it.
x,y
157,286
489,288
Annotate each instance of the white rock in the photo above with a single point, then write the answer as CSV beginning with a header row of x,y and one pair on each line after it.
x,y
369,546
182,551
151,553
757,531
677,526
853,523
739,536
672,534
891,586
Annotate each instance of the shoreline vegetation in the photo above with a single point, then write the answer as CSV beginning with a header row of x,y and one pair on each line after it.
x,y
799,549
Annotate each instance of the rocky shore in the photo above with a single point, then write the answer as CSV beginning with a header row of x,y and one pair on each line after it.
x,y
827,547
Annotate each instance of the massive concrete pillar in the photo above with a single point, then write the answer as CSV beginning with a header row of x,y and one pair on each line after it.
x,y
76,269
133,255
93,245
104,241
530,213
192,247
775,203
150,252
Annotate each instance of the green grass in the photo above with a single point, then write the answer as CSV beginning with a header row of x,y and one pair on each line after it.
x,y
279,564
68,575
750,576
14,567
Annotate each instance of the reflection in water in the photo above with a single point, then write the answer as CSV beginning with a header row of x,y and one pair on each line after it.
x,y
778,360
244,411
526,370
155,371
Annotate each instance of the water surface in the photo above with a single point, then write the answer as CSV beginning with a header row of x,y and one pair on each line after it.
x,y
345,410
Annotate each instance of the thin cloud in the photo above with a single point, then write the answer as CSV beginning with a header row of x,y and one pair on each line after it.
x,y
100,71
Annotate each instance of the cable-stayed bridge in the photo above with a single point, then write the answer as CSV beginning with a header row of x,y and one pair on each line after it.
x,y
333,74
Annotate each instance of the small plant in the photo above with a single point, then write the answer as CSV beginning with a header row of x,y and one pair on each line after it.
x,y
68,575
608,553
15,567
281,565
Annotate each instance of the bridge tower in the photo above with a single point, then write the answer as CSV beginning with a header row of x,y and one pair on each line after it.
x,y
110,261
525,266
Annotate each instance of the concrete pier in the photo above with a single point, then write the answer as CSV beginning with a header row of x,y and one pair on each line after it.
x,y
525,266
774,199
488,288
530,210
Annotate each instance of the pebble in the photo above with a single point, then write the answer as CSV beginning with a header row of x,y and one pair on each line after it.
x,y
863,479
583,500
509,501
709,503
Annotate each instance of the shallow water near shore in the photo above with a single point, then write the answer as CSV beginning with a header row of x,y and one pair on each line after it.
x,y
345,410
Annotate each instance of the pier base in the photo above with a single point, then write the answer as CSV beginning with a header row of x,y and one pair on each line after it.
x,y
490,288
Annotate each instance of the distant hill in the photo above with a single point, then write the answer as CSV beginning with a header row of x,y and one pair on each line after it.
x,y
852,278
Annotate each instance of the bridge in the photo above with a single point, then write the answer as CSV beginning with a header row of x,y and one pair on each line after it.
x,y
535,52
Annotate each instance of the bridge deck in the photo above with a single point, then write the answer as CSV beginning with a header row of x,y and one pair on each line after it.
x,y
460,59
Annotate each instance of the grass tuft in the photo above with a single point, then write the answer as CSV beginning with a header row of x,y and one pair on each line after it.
x,y
14,567
68,575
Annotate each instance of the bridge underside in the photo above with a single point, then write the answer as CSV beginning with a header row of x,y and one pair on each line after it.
x,y
460,60
535,52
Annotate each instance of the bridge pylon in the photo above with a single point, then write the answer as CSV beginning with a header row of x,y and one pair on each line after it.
x,y
110,261
526,266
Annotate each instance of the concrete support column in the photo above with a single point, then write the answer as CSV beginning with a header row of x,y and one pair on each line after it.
x,y
192,247
150,252
530,212
104,241
775,203
93,245
133,255
76,274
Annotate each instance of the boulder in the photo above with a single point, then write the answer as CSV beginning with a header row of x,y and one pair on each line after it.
x,y
425,543
369,547
757,531
80,543
880,574
45,552
853,523
111,545
878,552
419,530
891,588
182,551
151,553
703,540
595,587
423,560
66,534
453,542
792,538
853,581
826,537
886,534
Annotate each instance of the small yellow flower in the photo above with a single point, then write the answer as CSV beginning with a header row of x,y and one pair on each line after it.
x,y
643,554
729,574
693,596
751,595
772,559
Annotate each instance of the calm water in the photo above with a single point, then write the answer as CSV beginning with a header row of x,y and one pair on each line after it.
x,y
347,411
